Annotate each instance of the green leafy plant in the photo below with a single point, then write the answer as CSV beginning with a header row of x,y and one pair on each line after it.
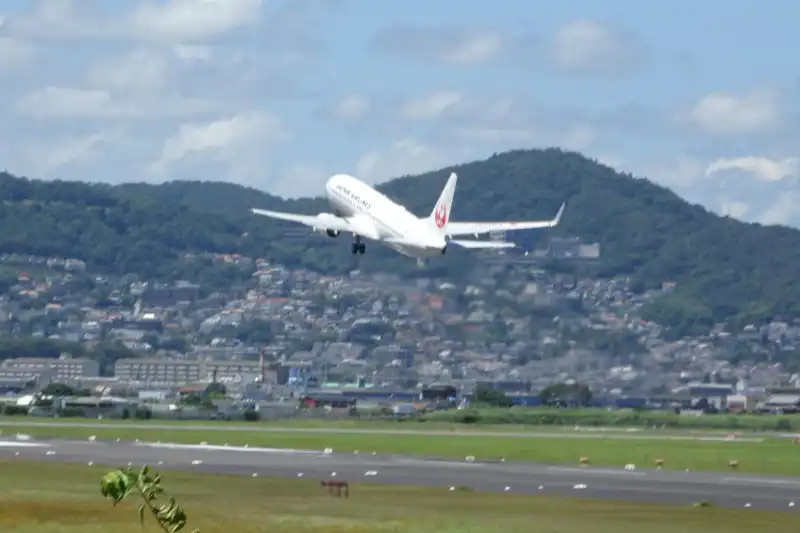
x,y
117,485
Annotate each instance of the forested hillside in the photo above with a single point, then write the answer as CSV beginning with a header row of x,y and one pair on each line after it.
x,y
724,268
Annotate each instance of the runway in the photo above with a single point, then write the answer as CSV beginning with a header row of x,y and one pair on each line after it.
x,y
639,485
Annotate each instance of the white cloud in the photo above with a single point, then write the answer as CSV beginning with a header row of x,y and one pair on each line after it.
x,y
473,48
237,142
675,174
55,155
351,107
193,52
734,209
452,45
72,103
782,211
141,69
500,123
578,138
431,106
299,180
761,167
67,102
190,20
14,53
728,114
151,20
405,157
588,47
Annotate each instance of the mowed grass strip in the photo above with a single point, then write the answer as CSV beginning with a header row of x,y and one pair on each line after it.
x,y
38,497
525,419
17,423
771,456
11,422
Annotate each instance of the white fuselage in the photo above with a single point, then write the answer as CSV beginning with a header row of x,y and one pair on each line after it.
x,y
385,220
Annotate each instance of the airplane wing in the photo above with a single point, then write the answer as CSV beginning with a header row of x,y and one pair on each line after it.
x,y
476,228
323,221
482,244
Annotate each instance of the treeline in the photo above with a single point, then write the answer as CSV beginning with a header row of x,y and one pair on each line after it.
x,y
725,270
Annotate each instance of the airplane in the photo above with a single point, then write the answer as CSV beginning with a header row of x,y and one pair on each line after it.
x,y
368,214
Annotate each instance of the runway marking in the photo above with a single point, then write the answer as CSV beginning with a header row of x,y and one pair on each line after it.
x,y
595,471
747,481
22,444
212,447
423,462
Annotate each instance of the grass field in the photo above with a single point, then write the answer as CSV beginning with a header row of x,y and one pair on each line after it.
x,y
59,498
550,419
504,420
546,416
771,456
363,424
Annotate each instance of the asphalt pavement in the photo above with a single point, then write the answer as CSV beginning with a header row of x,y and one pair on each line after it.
x,y
632,484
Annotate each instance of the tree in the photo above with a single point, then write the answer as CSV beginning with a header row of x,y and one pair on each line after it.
x,y
488,396
566,394
215,390
724,269
58,389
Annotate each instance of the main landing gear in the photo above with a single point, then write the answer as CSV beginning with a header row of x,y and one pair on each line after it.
x,y
358,247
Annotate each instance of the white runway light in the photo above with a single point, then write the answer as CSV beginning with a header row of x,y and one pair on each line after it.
x,y
328,451
299,474
630,467
197,462
579,487
255,474
507,488
371,473
470,458
747,504
51,452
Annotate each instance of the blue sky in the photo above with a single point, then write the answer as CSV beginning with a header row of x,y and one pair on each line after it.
x,y
701,97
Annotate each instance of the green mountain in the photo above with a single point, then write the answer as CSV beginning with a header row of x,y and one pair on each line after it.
x,y
724,269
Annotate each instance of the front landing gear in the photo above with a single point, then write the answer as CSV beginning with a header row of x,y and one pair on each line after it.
x,y
358,247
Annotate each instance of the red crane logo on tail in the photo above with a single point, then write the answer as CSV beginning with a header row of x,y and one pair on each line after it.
x,y
440,215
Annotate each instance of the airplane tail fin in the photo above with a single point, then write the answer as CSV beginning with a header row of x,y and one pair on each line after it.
x,y
441,212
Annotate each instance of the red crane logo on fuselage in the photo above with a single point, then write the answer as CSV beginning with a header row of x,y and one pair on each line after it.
x,y
440,215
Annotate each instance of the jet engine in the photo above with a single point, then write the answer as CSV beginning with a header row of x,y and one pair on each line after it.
x,y
332,233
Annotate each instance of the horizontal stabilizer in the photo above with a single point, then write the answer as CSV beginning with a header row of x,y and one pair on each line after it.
x,y
482,244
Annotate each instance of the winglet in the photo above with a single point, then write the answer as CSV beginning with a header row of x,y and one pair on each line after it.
x,y
557,219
